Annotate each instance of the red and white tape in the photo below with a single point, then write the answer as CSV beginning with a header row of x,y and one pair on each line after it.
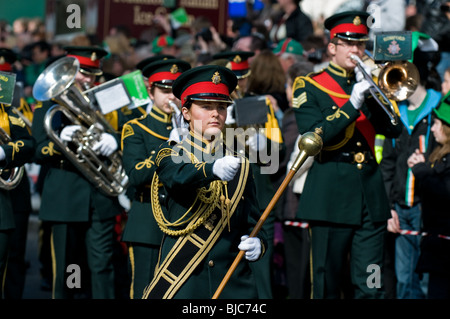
x,y
296,224
402,232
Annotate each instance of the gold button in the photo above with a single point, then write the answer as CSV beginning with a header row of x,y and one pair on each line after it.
x,y
359,166
358,144
359,157
211,263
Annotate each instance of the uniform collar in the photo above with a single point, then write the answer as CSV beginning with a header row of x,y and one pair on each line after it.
x,y
160,115
339,71
198,142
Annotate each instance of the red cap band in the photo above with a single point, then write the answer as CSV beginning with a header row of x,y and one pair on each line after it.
x,y
204,87
6,67
160,76
239,66
86,61
348,27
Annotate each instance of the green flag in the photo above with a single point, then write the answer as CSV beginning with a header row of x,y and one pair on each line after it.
x,y
7,84
134,82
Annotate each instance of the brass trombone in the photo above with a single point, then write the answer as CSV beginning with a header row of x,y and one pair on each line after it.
x,y
397,80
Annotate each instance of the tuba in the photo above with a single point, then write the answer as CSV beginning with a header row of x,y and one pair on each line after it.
x,y
15,174
397,80
56,82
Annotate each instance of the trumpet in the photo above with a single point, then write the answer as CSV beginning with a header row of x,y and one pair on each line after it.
x,y
15,174
56,82
397,80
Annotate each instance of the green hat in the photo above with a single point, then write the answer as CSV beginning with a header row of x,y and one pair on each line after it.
x,y
162,73
288,45
7,58
143,63
88,56
205,83
238,62
443,110
348,25
161,42
423,42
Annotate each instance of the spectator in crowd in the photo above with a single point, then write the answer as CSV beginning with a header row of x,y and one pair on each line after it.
x,y
446,82
432,179
415,114
289,52
296,245
292,24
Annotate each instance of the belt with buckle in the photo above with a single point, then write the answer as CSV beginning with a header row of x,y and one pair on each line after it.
x,y
347,157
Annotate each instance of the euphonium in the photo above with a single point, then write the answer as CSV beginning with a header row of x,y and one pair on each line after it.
x,y
397,80
56,82
15,174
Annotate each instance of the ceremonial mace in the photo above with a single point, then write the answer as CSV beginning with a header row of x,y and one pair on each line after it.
x,y
310,144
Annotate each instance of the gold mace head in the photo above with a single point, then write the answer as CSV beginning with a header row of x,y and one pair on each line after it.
x,y
311,143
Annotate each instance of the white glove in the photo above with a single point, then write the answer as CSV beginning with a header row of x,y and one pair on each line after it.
x,y
230,119
175,108
68,131
106,146
358,92
226,167
2,154
358,73
251,246
257,142
178,134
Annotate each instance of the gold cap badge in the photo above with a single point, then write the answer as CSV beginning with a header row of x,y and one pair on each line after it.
x,y
357,20
216,78
174,69
93,56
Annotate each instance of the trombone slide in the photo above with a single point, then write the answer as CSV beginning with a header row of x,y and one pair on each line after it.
x,y
376,92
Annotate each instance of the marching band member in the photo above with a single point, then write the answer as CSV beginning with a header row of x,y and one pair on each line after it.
x,y
210,206
16,150
261,148
82,217
14,280
344,199
141,138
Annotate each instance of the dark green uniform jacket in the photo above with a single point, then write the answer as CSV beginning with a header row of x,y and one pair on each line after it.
x,y
185,170
119,117
67,196
141,139
337,187
17,153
